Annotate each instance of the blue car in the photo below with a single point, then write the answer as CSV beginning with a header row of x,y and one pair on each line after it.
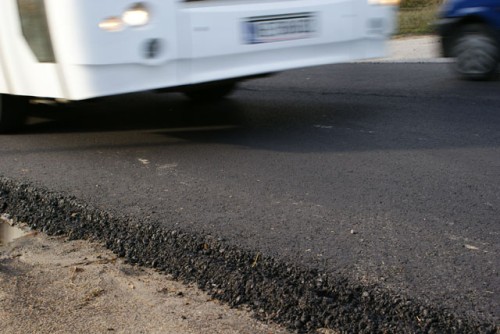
x,y
470,33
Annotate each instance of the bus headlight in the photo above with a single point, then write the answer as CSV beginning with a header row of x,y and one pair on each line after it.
x,y
384,2
111,24
136,16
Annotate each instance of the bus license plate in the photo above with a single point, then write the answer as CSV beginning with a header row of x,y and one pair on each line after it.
x,y
268,29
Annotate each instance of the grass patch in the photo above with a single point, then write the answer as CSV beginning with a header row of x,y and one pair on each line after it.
x,y
419,3
416,17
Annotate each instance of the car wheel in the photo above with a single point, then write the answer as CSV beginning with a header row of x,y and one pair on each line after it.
x,y
476,53
12,112
211,92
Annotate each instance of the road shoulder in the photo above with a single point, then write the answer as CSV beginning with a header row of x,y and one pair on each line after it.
x,y
50,284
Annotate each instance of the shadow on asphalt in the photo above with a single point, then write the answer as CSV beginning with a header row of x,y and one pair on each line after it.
x,y
137,112
284,119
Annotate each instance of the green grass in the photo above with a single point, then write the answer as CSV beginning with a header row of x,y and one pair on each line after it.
x,y
405,4
417,16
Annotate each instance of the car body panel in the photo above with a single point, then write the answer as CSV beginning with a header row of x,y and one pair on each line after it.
x,y
455,13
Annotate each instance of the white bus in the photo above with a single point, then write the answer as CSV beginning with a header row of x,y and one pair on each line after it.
x,y
69,50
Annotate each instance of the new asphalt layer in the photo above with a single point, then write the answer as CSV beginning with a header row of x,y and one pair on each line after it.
x,y
302,299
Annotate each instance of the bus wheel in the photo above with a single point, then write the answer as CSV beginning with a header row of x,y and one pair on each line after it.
x,y
211,92
476,53
12,112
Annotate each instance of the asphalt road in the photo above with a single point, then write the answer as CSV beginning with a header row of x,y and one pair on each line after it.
x,y
386,174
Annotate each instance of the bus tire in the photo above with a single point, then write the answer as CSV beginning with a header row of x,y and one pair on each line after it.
x,y
13,111
211,92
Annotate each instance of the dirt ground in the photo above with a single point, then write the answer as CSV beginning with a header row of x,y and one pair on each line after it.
x,y
51,285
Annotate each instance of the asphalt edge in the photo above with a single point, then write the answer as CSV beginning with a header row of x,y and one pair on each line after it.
x,y
302,300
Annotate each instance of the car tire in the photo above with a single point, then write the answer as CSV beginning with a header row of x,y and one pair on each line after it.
x,y
13,111
211,92
476,53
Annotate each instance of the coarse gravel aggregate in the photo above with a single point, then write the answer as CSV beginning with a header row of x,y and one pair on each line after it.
x,y
304,300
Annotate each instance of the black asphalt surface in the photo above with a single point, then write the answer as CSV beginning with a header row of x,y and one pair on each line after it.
x,y
385,176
